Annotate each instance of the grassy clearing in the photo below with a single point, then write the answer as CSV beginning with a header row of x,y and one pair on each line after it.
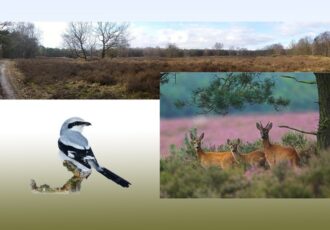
x,y
138,77
181,175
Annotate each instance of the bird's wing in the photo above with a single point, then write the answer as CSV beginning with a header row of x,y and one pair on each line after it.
x,y
74,139
84,157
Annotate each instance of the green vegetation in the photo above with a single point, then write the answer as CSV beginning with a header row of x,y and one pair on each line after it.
x,y
181,175
295,140
211,92
235,90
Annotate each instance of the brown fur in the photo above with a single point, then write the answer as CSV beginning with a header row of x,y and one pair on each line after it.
x,y
254,158
277,153
223,160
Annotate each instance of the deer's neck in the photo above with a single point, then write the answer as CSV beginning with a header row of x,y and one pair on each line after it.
x,y
266,143
200,152
236,155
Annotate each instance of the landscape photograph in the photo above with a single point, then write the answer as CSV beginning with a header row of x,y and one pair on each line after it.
x,y
244,135
123,60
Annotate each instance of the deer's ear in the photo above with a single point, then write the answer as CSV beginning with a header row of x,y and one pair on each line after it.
x,y
201,137
228,141
269,126
258,126
192,136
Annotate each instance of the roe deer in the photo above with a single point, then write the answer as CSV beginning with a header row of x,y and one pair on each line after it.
x,y
223,160
255,158
277,153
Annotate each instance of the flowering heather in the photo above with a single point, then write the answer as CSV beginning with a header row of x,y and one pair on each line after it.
x,y
218,129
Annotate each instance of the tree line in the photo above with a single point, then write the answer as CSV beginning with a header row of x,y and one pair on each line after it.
x,y
110,39
18,40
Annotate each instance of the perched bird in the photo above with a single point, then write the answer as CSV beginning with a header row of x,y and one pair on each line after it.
x,y
74,148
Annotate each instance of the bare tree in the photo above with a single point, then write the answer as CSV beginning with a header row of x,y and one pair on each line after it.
x,y
78,38
302,47
172,50
27,29
218,46
19,39
5,25
111,35
321,44
277,48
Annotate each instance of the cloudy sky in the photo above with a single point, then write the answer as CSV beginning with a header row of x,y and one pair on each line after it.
x,y
251,35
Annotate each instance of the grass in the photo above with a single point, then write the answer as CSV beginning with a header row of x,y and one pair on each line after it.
x,y
138,77
181,175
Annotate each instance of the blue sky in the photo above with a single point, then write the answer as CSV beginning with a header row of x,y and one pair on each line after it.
x,y
251,35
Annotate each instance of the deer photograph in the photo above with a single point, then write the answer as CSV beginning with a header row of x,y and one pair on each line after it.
x,y
243,134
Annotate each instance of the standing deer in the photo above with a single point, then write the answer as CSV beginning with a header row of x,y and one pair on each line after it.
x,y
223,160
255,158
277,153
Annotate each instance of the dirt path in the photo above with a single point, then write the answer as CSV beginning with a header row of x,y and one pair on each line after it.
x,y
7,89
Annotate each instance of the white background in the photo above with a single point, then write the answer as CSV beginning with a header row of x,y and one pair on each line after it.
x,y
124,136
166,10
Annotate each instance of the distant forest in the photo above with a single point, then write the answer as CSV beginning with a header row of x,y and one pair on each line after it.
x,y
109,39
302,97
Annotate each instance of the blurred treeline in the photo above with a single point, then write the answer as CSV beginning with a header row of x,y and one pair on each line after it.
x,y
302,97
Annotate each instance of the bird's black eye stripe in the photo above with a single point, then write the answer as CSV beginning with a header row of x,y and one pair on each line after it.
x,y
70,125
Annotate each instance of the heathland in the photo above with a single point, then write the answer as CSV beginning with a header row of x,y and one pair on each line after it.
x,y
221,106
66,78
182,176
97,61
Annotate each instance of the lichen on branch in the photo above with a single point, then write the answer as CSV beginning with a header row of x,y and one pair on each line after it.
x,y
72,185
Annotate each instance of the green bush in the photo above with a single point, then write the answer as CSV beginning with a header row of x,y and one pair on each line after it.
x,y
295,140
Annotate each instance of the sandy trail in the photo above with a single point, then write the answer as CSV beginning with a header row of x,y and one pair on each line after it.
x,y
7,89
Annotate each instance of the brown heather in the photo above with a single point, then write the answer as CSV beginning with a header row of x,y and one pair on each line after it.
x,y
139,77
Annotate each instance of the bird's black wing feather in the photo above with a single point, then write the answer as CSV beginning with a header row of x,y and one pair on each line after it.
x,y
79,154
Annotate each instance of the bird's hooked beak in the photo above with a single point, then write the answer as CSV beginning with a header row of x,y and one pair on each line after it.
x,y
87,123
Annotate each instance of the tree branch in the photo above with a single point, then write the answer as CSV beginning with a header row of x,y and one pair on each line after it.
x,y
300,81
72,185
301,131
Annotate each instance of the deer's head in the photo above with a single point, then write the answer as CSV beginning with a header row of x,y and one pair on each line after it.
x,y
264,130
196,142
233,145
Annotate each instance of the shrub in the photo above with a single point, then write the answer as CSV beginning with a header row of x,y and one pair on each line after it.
x,y
182,176
295,140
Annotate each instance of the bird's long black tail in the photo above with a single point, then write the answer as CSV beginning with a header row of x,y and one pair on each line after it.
x,y
112,176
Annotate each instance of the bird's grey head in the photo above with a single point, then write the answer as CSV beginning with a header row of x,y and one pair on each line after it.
x,y
74,124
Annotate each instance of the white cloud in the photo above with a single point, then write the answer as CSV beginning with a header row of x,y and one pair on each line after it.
x,y
293,29
198,37
51,33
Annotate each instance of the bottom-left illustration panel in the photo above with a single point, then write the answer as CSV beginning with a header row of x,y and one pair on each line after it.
x,y
105,151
